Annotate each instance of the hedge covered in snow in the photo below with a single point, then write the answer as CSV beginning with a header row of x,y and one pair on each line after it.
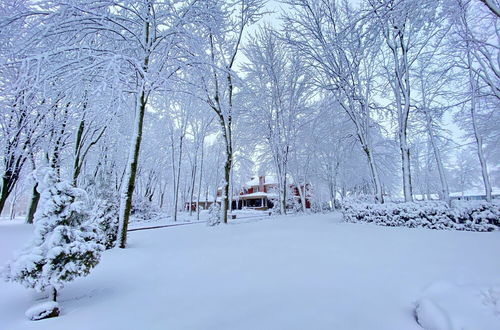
x,y
472,216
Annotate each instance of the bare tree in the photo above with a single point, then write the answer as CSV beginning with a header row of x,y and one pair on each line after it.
x,y
342,50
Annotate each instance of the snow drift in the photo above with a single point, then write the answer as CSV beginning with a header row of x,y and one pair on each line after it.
x,y
446,306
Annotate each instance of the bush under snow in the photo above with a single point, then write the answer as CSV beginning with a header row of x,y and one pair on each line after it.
x,y
105,213
474,216
214,214
43,311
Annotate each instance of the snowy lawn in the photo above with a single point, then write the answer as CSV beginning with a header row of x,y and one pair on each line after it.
x,y
308,272
183,217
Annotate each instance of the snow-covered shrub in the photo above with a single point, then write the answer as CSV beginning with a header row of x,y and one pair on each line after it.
x,y
105,215
276,209
105,211
478,214
316,207
65,244
43,310
214,214
292,202
430,214
143,209
320,207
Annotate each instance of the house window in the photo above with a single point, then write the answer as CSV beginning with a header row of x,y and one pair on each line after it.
x,y
254,202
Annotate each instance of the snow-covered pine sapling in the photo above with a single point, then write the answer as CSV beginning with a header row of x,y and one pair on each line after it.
x,y
105,213
65,244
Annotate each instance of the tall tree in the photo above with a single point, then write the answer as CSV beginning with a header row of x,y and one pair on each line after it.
x,y
223,33
407,28
342,48
279,89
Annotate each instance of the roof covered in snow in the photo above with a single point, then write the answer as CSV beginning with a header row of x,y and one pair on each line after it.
x,y
256,195
269,179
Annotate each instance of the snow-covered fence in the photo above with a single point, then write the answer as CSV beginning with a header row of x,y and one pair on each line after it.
x,y
474,216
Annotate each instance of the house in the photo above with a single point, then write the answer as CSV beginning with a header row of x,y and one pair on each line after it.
x,y
204,205
257,194
260,193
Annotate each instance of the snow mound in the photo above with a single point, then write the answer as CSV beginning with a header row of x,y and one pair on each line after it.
x,y
446,306
430,316
43,311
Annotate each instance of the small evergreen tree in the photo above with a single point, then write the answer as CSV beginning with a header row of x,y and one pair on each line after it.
x,y
65,245
105,216
105,211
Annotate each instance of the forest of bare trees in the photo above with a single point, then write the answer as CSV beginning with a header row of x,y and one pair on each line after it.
x,y
170,100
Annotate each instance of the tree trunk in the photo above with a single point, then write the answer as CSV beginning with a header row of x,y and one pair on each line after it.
x,y
445,191
405,165
13,200
130,175
477,135
379,198
283,194
9,181
227,174
4,192
177,178
54,294
35,198
227,133
335,175
193,181
78,146
135,144
480,154
199,180
162,194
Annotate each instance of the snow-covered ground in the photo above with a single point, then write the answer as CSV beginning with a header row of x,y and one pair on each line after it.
x,y
184,217
307,272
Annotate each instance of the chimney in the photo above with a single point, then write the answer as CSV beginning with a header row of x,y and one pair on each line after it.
x,y
262,181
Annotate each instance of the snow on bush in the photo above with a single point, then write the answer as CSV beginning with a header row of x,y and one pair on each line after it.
x,y
105,211
105,215
43,311
214,215
65,244
477,216
276,209
320,207
143,209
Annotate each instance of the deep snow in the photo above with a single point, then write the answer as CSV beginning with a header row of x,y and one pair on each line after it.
x,y
307,272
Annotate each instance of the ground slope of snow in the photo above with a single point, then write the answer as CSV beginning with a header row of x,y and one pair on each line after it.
x,y
309,272
447,306
184,217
